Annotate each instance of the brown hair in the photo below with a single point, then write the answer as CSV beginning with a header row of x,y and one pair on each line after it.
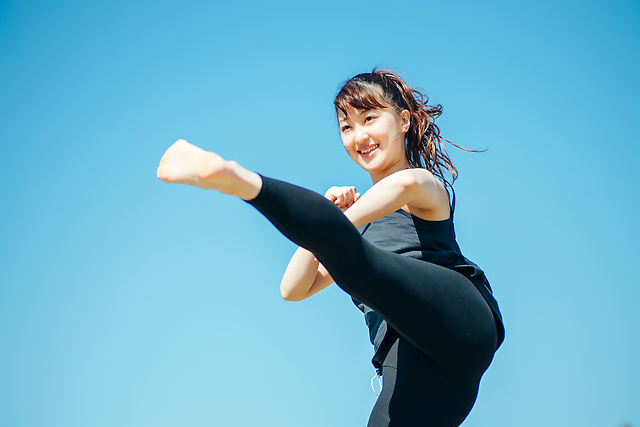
x,y
384,89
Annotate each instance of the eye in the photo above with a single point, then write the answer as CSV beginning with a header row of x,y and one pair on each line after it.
x,y
369,118
345,128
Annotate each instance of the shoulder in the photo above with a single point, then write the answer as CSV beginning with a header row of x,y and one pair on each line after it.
x,y
417,177
430,199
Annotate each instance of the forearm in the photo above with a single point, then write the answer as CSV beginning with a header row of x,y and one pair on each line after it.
x,y
303,277
407,187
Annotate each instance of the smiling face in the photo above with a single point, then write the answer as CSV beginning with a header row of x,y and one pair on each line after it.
x,y
375,139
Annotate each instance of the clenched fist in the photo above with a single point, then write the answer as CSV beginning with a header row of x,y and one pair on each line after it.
x,y
342,197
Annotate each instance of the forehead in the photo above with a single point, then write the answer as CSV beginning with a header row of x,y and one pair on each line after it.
x,y
352,113
356,97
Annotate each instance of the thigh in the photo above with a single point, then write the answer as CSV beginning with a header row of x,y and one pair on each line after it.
x,y
438,310
418,392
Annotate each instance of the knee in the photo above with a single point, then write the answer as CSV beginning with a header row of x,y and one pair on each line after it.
x,y
480,351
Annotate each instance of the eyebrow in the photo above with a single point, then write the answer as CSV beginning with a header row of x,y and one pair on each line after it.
x,y
357,115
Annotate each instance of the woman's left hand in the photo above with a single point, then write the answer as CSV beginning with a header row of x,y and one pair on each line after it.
x,y
342,197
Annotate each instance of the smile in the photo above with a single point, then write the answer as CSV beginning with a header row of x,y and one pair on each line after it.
x,y
369,150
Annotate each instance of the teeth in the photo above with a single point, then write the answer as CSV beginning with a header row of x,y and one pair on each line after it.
x,y
369,150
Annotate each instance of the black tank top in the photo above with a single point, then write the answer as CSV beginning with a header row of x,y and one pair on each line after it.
x,y
432,241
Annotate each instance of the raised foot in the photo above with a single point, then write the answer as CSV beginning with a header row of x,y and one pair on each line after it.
x,y
184,163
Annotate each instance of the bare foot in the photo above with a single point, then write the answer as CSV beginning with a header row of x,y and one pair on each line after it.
x,y
184,163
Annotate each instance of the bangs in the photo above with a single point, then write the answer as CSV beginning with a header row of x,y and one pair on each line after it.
x,y
361,96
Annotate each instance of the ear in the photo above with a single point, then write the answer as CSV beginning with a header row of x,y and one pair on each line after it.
x,y
405,120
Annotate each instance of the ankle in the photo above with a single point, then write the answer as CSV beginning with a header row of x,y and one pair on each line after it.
x,y
210,167
249,183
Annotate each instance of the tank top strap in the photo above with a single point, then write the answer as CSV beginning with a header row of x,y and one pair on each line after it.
x,y
452,199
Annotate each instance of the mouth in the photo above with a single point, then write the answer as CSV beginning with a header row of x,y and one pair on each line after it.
x,y
369,150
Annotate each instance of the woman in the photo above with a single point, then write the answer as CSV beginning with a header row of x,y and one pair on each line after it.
x,y
432,317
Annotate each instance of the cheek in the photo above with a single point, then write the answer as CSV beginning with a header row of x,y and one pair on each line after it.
x,y
347,143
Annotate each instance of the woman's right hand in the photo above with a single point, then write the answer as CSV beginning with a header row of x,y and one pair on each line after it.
x,y
342,197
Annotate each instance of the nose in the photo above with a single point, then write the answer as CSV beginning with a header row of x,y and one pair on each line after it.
x,y
361,136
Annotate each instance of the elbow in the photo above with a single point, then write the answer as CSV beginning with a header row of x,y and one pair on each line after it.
x,y
290,298
288,295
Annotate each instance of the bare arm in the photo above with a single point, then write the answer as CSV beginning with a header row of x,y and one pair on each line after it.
x,y
304,277
416,189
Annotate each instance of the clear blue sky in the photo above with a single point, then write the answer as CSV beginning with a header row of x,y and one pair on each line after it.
x,y
128,302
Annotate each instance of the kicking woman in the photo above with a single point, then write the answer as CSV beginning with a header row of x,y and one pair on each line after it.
x,y
432,317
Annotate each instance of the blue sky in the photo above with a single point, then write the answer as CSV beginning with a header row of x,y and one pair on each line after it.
x,y
128,302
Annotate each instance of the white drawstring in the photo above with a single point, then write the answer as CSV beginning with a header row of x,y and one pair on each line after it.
x,y
379,380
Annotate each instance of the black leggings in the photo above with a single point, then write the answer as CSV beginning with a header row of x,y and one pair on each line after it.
x,y
447,332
